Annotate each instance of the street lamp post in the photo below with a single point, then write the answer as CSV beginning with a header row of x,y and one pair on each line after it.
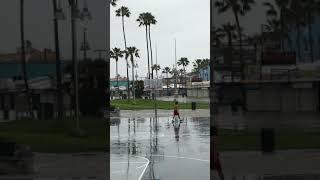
x,y
75,15
85,18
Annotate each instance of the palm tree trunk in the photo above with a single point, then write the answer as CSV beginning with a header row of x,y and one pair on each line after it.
x,y
128,81
117,77
282,30
148,52
185,79
124,34
75,62
125,46
133,88
58,64
310,36
23,56
167,83
240,45
151,57
241,61
229,40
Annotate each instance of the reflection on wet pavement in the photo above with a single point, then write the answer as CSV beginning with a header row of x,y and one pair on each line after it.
x,y
149,148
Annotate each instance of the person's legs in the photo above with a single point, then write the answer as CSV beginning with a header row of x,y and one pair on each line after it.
x,y
219,169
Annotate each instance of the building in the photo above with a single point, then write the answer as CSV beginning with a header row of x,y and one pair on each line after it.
x,y
41,73
123,86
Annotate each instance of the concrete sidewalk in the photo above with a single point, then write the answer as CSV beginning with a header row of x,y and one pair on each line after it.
x,y
67,166
280,163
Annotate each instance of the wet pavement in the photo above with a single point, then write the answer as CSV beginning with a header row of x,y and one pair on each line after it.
x,y
156,148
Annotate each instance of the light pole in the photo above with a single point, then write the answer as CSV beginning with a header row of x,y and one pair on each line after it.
x,y
58,15
85,18
175,72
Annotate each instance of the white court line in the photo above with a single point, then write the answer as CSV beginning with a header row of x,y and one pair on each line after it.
x,y
145,168
127,162
180,157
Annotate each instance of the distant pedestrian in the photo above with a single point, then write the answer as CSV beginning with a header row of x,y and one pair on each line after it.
x,y
176,110
216,158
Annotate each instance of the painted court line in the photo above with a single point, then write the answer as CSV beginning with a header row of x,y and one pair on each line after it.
x,y
180,157
145,168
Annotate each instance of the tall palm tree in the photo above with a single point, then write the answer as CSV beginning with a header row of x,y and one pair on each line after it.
x,y
150,20
56,9
124,12
116,53
167,71
23,55
132,52
143,21
184,62
238,8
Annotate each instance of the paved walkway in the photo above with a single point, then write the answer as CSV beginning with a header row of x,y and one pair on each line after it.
x,y
67,166
164,113
280,163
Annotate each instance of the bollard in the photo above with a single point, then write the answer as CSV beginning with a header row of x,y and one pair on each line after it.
x,y
267,140
193,106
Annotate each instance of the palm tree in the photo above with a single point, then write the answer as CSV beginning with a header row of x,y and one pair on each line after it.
x,y
116,53
197,65
167,71
132,52
156,67
113,2
124,12
151,20
216,36
228,30
143,21
238,8
58,61
23,55
283,6
184,62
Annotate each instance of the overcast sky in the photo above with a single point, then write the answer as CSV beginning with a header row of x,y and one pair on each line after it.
x,y
186,20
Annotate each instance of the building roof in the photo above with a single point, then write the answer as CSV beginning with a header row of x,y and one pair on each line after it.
x,y
36,56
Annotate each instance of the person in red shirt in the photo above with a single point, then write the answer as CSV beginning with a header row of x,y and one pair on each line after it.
x,y
216,159
176,110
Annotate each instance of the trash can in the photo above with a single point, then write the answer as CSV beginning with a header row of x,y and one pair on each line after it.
x,y
193,105
267,140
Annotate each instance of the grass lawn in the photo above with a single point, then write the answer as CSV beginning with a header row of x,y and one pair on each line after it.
x,y
52,136
246,141
140,104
